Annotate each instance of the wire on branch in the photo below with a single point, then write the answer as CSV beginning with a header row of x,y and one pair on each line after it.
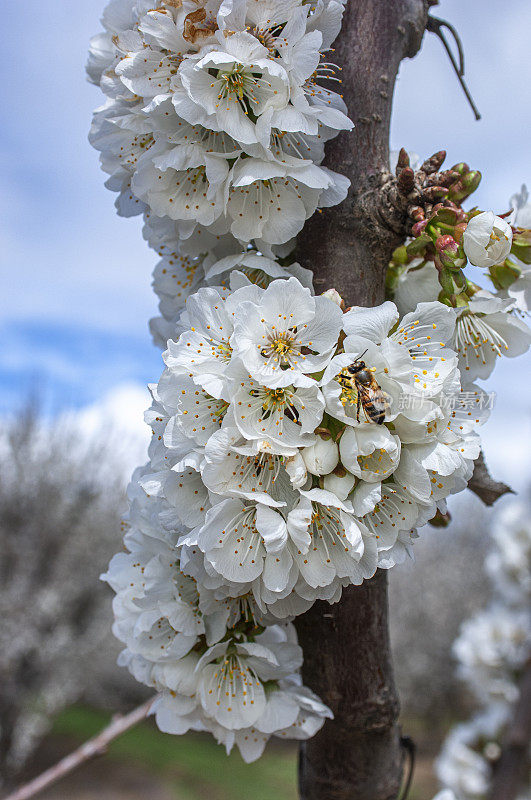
x,y
436,25
94,747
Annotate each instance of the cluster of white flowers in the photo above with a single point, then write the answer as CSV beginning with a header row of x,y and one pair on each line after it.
x,y
492,649
296,448
214,128
214,664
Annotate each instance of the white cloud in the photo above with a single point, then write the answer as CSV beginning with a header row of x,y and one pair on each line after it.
x,y
119,415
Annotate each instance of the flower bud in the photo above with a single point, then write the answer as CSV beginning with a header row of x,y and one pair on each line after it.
x,y
335,297
419,244
462,168
460,300
454,301
464,187
445,214
400,255
447,282
450,255
453,283
434,193
459,230
446,243
418,227
340,485
487,239
406,181
434,162
322,457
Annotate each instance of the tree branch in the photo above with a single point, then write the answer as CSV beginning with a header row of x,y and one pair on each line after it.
x,y
346,646
511,770
483,484
94,747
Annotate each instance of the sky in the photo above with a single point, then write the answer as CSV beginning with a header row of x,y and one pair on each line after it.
x,y
76,277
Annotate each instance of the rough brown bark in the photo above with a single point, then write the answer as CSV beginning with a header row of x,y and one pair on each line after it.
x,y
347,661
348,247
347,654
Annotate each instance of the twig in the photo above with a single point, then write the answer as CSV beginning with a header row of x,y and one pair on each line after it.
x,y
94,747
483,484
410,747
436,25
510,771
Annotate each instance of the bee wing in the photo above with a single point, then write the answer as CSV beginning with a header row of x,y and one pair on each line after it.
x,y
379,399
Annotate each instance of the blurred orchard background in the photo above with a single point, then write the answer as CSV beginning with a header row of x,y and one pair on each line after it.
x,y
76,358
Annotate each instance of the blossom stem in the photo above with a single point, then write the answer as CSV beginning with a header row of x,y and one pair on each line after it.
x,y
93,747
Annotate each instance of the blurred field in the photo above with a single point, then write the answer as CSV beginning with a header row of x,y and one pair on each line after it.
x,y
147,765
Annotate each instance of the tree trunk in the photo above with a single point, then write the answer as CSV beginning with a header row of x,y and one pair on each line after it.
x,y
512,770
347,661
347,658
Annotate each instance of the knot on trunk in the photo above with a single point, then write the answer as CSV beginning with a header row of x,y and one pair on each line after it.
x,y
408,199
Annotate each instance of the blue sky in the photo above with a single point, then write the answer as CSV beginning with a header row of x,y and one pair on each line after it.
x,y
74,316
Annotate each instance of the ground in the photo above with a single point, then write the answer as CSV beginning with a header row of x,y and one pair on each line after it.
x,y
145,764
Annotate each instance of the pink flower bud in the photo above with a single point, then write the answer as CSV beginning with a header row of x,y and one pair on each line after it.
x,y
418,227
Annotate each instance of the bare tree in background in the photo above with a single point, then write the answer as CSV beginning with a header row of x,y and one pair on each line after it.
x,y
428,603
60,499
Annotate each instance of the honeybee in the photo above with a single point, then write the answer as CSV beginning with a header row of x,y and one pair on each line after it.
x,y
359,380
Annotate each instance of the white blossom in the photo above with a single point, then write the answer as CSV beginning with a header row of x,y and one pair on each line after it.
x,y
282,419
287,335
485,331
487,327
490,648
322,457
520,290
237,468
519,202
410,362
370,455
487,239
416,284
509,562
215,112
204,350
463,765
339,484
250,266
246,684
